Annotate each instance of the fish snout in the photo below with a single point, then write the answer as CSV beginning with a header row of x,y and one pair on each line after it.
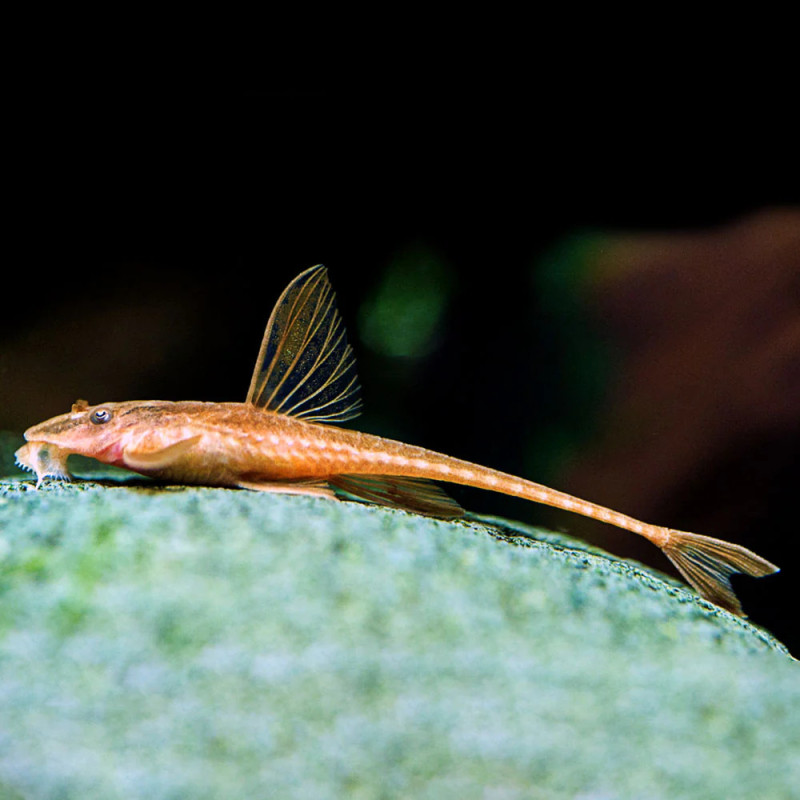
x,y
53,429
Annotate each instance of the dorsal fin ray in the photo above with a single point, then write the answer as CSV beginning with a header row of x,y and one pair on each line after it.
x,y
305,367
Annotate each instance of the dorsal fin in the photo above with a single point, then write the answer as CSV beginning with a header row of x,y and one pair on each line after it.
x,y
305,367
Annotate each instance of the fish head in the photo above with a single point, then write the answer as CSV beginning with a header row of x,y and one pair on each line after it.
x,y
97,431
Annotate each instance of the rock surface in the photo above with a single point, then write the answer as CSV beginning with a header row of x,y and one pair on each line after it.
x,y
170,642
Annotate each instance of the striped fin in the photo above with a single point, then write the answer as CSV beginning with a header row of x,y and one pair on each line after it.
x,y
410,494
707,564
306,368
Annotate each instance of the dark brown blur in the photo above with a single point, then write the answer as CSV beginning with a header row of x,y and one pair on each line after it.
x,y
699,421
707,326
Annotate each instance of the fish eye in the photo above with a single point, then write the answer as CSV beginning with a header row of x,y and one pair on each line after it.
x,y
100,415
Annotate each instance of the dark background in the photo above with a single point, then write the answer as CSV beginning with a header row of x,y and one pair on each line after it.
x,y
563,294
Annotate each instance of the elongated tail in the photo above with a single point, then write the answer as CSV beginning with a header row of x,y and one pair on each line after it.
x,y
396,474
707,564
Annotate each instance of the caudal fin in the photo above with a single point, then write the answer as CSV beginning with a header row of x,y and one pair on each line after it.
x,y
707,564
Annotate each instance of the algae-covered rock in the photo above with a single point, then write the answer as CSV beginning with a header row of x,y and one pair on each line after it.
x,y
169,642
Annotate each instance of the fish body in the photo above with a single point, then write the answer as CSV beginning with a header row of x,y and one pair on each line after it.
x,y
281,439
240,445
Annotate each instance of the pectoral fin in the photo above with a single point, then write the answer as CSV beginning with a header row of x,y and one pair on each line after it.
x,y
144,458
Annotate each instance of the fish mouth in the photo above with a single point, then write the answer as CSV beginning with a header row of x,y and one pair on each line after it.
x,y
45,459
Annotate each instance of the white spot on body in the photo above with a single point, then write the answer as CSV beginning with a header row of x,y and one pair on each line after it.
x,y
345,453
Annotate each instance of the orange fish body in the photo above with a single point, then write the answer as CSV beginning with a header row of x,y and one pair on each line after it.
x,y
281,440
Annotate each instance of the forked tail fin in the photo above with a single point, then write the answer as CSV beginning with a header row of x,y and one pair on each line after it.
x,y
707,564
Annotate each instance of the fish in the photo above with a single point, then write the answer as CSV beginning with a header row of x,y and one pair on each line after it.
x,y
285,438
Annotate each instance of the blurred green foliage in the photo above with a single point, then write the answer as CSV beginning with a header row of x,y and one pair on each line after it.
x,y
401,317
9,442
574,356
